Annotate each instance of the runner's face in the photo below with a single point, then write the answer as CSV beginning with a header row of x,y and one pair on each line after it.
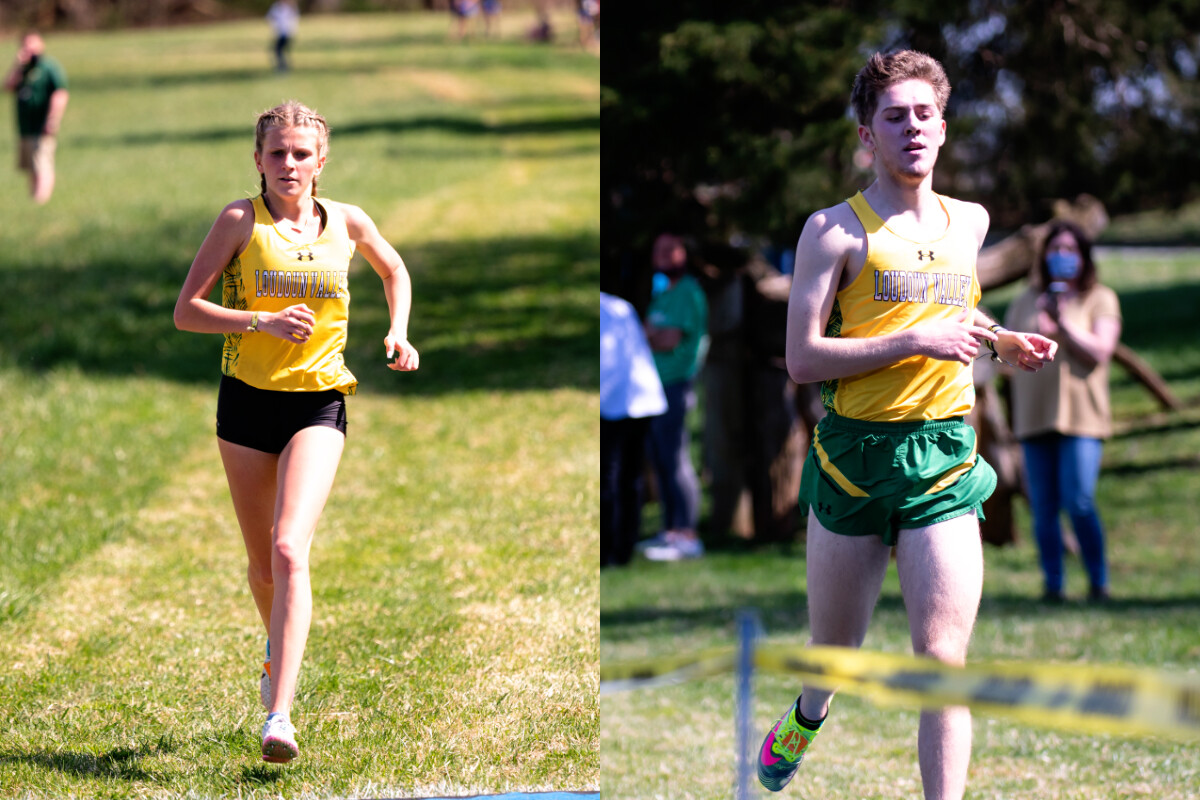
x,y
907,130
289,160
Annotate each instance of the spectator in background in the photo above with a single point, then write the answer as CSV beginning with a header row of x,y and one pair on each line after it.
x,y
284,17
1062,416
41,89
588,12
630,395
543,30
462,11
676,327
491,18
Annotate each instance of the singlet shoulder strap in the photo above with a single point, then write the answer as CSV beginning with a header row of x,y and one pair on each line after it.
x,y
261,215
871,222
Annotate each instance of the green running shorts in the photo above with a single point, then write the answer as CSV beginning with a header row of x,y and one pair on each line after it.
x,y
876,478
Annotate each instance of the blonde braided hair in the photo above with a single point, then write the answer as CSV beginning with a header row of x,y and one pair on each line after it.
x,y
292,114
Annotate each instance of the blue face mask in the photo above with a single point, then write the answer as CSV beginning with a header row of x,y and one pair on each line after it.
x,y
661,284
1063,266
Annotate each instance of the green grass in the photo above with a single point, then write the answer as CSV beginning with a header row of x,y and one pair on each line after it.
x,y
454,639
678,742
1158,226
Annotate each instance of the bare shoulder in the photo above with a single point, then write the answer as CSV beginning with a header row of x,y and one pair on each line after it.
x,y
235,224
837,222
236,212
358,224
830,236
976,217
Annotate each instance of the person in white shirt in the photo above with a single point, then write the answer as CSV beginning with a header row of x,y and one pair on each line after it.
x,y
630,394
284,17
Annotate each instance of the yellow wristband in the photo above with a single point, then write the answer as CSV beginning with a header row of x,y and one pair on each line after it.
x,y
253,322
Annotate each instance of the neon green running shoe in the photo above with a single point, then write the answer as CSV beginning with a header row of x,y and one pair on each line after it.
x,y
783,750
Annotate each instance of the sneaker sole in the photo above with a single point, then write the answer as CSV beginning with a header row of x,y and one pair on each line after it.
x,y
278,751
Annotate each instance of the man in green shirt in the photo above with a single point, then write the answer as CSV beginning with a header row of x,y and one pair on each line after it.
x,y
41,89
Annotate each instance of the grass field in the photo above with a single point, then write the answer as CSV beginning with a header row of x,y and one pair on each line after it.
x,y
454,640
679,742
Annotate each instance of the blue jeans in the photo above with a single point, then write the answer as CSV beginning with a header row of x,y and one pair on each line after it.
x,y
678,484
1062,472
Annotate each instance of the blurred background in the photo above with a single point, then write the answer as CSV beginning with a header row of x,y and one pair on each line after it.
x,y
727,125
731,125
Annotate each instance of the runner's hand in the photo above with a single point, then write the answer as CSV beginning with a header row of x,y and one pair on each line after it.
x,y
1029,351
293,324
405,354
952,339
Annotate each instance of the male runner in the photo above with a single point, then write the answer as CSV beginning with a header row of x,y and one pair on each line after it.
x,y
883,312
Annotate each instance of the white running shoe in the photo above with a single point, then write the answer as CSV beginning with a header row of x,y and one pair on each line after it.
x,y
279,740
679,549
264,680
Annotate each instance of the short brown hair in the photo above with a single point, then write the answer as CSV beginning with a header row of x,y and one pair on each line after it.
x,y
882,71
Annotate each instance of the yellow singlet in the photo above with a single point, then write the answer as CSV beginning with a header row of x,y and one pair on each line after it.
x,y
274,273
904,283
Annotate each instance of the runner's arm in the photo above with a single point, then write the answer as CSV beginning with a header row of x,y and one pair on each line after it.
x,y
397,285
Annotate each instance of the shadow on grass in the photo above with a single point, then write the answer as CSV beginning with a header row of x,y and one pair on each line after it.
x,y
260,775
95,84
786,613
1177,464
1167,428
505,313
1160,319
466,125
121,763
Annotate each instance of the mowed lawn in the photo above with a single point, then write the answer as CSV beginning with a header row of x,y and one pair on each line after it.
x,y
679,742
454,639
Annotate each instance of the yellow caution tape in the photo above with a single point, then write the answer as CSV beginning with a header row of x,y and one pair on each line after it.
x,y
651,673
1087,698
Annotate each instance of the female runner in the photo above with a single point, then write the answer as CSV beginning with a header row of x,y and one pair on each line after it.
x,y
283,259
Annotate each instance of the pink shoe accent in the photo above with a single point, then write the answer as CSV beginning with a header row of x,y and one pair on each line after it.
x,y
768,757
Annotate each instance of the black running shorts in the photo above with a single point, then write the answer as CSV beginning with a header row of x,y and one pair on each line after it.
x,y
267,420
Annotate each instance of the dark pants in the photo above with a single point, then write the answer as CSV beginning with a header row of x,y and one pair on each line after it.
x,y
282,43
678,484
622,456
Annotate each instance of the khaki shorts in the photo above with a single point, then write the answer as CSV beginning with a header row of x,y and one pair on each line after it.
x,y
36,154
878,478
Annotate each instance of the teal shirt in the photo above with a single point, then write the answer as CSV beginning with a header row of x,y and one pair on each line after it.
x,y
682,306
33,95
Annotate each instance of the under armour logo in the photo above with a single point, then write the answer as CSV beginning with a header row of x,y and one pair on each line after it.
x,y
924,254
304,255
824,508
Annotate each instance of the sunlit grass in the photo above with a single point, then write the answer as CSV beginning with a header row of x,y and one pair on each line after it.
x,y
454,639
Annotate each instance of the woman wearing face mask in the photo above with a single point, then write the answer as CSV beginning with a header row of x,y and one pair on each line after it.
x,y
1062,417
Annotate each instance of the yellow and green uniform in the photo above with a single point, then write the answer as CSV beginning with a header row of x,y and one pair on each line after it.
x,y
275,272
904,283
894,451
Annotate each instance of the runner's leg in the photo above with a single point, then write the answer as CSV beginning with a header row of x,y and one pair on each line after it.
x,y
307,467
845,574
941,578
